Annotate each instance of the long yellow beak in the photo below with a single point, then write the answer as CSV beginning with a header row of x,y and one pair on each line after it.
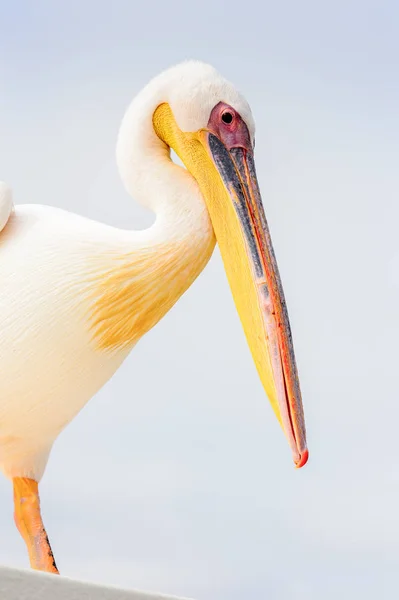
x,y
221,159
251,268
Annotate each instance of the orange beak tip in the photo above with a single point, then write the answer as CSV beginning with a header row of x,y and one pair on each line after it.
x,y
303,460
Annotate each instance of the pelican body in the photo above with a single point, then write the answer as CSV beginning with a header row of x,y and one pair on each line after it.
x,y
76,295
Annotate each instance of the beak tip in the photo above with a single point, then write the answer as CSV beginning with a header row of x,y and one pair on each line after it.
x,y
302,460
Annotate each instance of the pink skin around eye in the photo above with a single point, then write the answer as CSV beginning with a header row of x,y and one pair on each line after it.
x,y
234,134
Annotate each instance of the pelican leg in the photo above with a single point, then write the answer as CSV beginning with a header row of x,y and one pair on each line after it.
x,y
30,525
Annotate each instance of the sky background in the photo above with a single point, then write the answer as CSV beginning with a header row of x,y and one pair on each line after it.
x,y
176,477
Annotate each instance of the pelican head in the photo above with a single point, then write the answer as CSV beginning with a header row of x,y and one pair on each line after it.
x,y
207,122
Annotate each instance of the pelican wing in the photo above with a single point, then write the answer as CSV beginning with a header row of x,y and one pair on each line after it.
x,y
6,204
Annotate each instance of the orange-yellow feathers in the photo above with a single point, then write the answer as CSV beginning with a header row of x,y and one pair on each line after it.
x,y
138,289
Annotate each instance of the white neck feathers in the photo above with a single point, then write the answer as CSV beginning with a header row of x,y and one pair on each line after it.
x,y
137,288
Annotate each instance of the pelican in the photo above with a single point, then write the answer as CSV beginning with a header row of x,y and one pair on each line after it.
x,y
77,295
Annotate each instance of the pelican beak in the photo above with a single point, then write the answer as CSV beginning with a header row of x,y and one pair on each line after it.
x,y
220,158
245,244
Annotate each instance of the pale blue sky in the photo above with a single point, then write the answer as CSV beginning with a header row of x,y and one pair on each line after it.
x,y
176,477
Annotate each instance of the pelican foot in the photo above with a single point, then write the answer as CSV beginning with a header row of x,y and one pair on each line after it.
x,y
30,525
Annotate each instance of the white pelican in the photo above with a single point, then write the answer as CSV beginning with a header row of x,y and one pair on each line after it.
x,y
76,295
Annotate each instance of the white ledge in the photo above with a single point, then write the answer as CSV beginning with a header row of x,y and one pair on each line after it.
x,y
21,584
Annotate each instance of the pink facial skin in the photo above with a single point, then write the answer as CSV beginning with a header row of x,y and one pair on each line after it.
x,y
229,127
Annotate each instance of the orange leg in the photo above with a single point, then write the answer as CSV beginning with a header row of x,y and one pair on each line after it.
x,y
30,525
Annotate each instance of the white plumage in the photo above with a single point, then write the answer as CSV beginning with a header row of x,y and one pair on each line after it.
x,y
51,262
77,295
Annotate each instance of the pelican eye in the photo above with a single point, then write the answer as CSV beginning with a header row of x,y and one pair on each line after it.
x,y
227,117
